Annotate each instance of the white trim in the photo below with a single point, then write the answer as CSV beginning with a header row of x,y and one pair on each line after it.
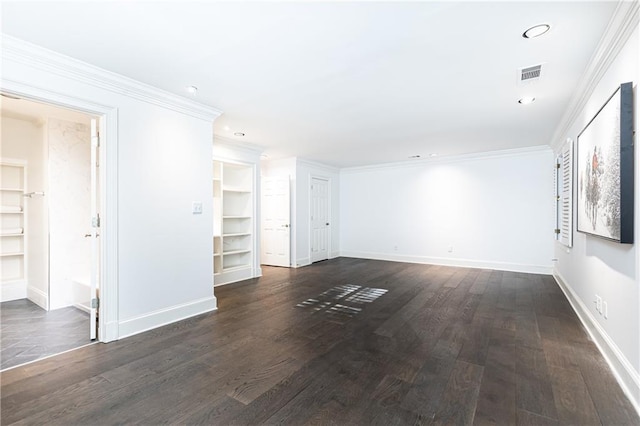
x,y
243,147
622,24
627,377
38,297
465,263
109,270
315,164
302,262
13,290
449,159
23,52
166,316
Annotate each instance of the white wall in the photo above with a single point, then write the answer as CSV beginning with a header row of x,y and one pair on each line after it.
x,y
610,270
469,211
163,143
23,138
69,201
301,171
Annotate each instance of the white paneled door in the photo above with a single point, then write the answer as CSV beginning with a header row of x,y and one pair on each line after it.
x,y
320,221
95,227
276,229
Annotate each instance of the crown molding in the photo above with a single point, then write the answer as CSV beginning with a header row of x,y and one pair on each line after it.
x,y
516,152
315,164
20,51
249,148
621,25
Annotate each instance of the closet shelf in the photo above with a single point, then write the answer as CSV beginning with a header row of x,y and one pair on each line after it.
x,y
235,267
238,234
11,254
238,190
227,253
11,235
12,189
236,217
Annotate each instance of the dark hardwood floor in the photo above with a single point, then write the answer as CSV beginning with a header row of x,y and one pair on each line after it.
x,y
346,342
28,332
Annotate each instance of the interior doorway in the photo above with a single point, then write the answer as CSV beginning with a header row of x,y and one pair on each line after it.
x,y
50,232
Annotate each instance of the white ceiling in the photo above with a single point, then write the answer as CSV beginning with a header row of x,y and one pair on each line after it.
x,y
342,83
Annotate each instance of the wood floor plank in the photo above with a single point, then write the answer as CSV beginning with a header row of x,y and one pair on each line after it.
x,y
434,345
572,398
458,404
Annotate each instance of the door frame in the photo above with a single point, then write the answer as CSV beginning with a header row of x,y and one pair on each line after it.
x,y
108,197
329,207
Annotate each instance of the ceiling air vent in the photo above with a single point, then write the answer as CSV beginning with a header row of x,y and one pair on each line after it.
x,y
530,73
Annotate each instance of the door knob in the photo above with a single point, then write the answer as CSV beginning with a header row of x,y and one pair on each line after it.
x,y
327,223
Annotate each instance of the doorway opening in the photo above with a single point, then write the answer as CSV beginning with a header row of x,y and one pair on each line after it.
x,y
50,221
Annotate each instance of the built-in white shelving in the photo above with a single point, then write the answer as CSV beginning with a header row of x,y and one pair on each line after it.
x,y
12,223
233,236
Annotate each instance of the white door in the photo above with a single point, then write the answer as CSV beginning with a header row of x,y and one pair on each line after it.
x,y
95,226
320,223
276,229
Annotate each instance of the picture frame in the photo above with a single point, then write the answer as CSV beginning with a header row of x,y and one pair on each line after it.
x,y
605,177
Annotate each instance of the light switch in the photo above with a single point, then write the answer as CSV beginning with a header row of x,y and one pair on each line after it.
x,y
196,207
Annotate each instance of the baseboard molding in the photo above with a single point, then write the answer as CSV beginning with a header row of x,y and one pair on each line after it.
x,y
13,290
166,316
464,263
623,370
302,262
111,332
37,296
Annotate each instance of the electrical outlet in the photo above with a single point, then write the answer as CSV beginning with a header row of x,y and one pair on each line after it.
x,y
605,310
196,207
599,304
395,248
450,249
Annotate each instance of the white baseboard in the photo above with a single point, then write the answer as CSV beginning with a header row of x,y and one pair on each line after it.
x,y
302,262
111,333
166,316
623,370
13,290
465,263
37,296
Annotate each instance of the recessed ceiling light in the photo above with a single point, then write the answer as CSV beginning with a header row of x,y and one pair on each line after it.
x,y
238,134
192,90
433,154
526,100
536,31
